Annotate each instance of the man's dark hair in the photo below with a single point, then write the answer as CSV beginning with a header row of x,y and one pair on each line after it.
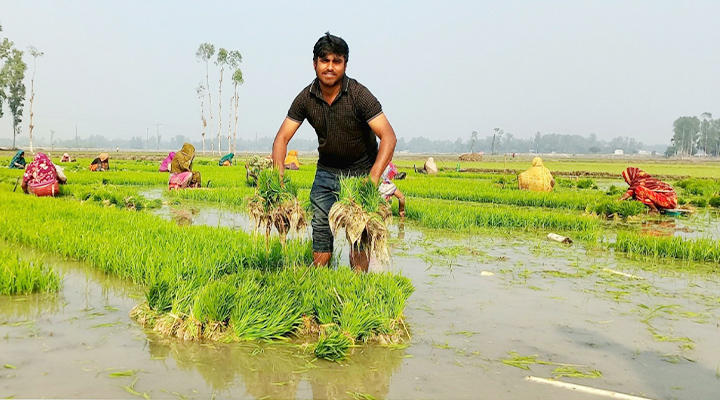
x,y
330,44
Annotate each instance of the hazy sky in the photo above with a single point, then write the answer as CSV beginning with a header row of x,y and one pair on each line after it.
x,y
441,69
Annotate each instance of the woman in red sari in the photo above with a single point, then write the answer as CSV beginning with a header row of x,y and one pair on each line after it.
x,y
41,178
652,192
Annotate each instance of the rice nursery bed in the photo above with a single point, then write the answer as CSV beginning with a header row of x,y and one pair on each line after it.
x,y
198,276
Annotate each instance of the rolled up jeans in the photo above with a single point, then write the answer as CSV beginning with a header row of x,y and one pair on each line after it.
x,y
324,193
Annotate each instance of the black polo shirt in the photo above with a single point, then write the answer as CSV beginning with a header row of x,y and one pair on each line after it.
x,y
345,141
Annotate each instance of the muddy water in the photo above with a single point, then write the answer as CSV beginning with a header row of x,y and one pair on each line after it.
x,y
649,331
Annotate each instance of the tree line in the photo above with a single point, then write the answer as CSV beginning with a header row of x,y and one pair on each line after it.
x,y
693,135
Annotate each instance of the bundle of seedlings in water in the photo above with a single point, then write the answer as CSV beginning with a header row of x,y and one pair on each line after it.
x,y
364,215
275,204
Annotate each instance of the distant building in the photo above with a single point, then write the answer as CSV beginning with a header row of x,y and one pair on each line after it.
x,y
643,152
619,152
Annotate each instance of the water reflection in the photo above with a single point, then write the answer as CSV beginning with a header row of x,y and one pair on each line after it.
x,y
276,370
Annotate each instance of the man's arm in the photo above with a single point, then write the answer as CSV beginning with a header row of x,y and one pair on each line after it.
x,y
381,126
286,132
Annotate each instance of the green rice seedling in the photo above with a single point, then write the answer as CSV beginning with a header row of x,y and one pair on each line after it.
x,y
25,277
673,247
574,372
460,216
484,191
522,362
699,187
714,202
275,204
364,215
333,344
621,208
214,302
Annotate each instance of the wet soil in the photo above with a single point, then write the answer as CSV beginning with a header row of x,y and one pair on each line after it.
x,y
481,302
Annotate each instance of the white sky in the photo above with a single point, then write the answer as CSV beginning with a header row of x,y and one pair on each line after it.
x,y
441,69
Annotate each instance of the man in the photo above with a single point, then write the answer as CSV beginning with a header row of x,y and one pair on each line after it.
x,y
346,118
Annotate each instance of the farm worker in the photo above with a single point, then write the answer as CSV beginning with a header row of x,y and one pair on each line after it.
x,y
41,178
652,192
101,163
537,178
226,160
388,189
18,161
165,164
291,161
430,167
65,157
181,173
347,118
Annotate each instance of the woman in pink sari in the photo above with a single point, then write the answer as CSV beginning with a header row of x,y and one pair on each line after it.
x,y
165,165
41,178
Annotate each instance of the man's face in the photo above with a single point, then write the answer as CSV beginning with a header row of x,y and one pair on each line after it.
x,y
330,69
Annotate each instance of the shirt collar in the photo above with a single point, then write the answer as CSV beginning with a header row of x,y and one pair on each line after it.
x,y
315,86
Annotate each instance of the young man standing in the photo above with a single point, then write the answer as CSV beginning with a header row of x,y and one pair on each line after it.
x,y
346,118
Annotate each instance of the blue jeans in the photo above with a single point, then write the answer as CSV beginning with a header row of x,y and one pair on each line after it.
x,y
323,195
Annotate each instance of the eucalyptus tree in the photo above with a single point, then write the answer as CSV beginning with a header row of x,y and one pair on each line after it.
x,y
685,137
222,59
205,52
233,61
13,75
707,134
35,53
200,91
473,139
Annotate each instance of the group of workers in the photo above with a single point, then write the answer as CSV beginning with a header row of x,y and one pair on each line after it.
x,y
652,192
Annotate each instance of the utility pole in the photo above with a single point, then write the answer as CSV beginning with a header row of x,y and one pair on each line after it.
x,y
147,138
52,140
157,128
76,139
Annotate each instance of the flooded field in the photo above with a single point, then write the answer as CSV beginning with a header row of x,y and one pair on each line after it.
x,y
488,311
498,310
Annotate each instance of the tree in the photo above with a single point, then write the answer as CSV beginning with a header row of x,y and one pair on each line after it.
x,y
35,53
200,91
707,134
221,60
473,139
233,61
686,134
205,52
5,46
13,74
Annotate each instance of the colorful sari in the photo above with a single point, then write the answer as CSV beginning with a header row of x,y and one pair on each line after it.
x,y
648,190
165,164
182,164
18,161
226,160
537,179
291,161
41,177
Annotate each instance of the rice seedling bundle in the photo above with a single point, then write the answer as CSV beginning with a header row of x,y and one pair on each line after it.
x,y
364,215
25,277
275,204
111,195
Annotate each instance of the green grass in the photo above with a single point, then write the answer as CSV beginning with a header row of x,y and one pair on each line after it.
x,y
25,277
